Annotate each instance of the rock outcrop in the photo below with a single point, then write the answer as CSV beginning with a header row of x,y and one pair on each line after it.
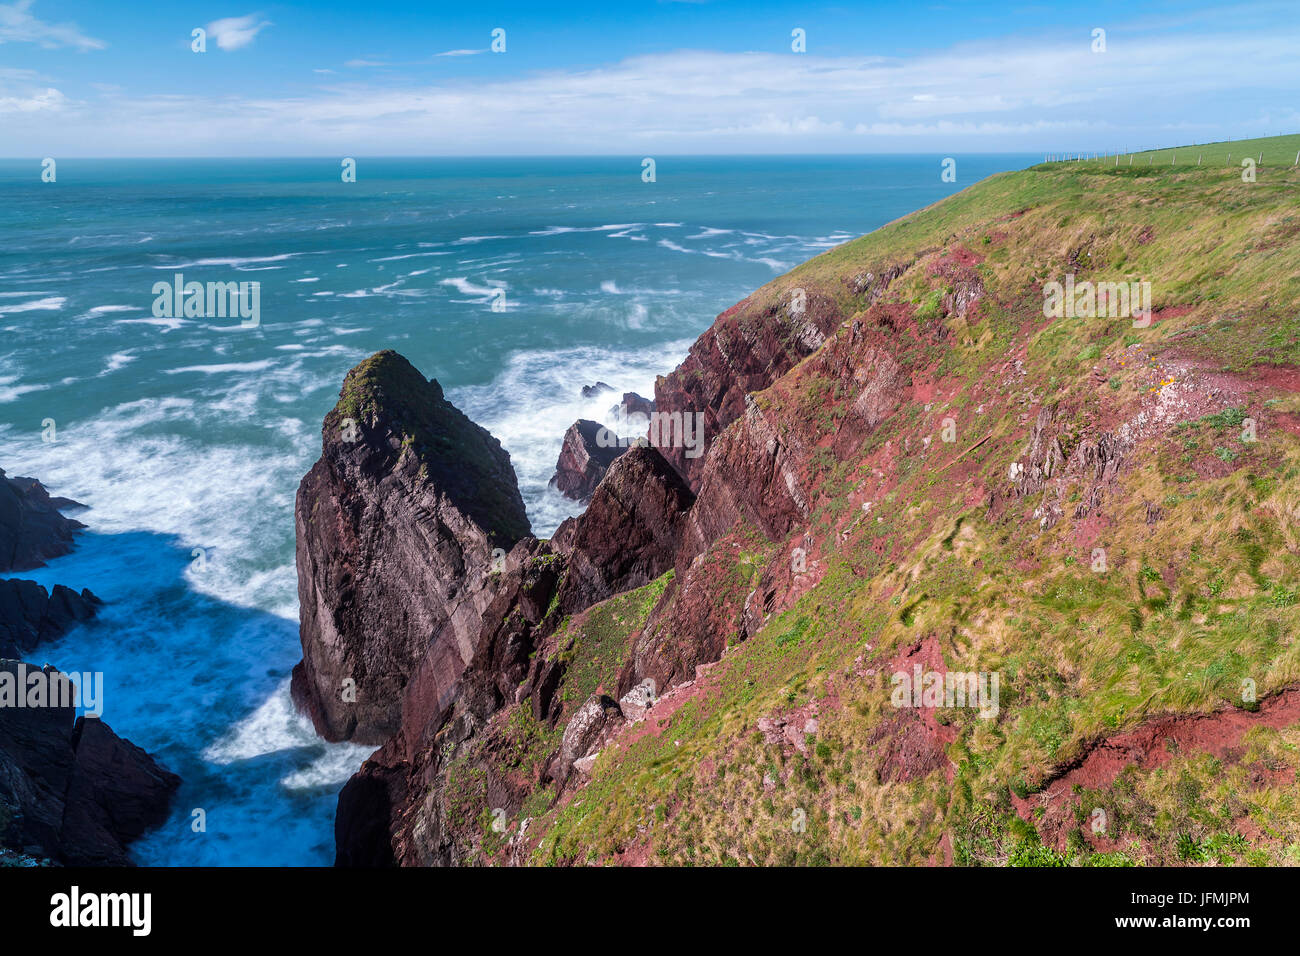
x,y
399,525
642,520
32,530
742,352
30,615
586,454
71,790
629,533
627,537
634,404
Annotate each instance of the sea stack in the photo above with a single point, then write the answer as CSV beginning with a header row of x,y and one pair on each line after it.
x,y
399,526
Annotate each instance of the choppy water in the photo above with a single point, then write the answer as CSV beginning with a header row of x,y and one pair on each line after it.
x,y
187,437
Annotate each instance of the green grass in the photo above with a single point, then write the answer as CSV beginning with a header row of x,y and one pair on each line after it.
x,y
1188,606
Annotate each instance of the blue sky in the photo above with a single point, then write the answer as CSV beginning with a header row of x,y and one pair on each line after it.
x,y
108,78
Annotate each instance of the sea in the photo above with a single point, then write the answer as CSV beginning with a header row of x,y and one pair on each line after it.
x,y
512,281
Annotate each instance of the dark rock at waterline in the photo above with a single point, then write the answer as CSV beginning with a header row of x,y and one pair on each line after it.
x,y
592,391
116,794
30,615
634,404
584,459
399,526
31,528
71,790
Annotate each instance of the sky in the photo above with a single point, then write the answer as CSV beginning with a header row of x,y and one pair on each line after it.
x,y
381,77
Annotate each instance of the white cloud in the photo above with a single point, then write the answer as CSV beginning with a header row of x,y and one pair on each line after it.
x,y
1021,93
19,25
234,33
47,100
460,52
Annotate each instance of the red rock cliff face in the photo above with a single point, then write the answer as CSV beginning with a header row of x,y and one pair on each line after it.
x,y
397,524
756,488
391,811
584,459
749,347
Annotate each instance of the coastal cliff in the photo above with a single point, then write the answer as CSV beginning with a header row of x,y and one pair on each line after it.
x,y
397,525
909,467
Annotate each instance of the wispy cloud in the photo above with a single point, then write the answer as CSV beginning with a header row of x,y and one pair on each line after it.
x,y
19,25
234,33
1018,93
48,100
460,52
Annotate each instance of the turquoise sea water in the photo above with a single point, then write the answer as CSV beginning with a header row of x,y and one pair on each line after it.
x,y
187,437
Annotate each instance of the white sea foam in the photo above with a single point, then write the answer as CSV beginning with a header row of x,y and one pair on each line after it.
x,y
107,309
277,726
410,255
222,369
167,325
561,230
234,261
481,293
116,361
51,303
10,392
538,395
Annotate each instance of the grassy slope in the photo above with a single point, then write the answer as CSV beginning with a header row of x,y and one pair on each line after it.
x,y
1188,606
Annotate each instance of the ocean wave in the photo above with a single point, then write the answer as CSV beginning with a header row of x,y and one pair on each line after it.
x,y
51,303
116,361
167,325
562,230
531,403
222,369
10,392
234,261
482,293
